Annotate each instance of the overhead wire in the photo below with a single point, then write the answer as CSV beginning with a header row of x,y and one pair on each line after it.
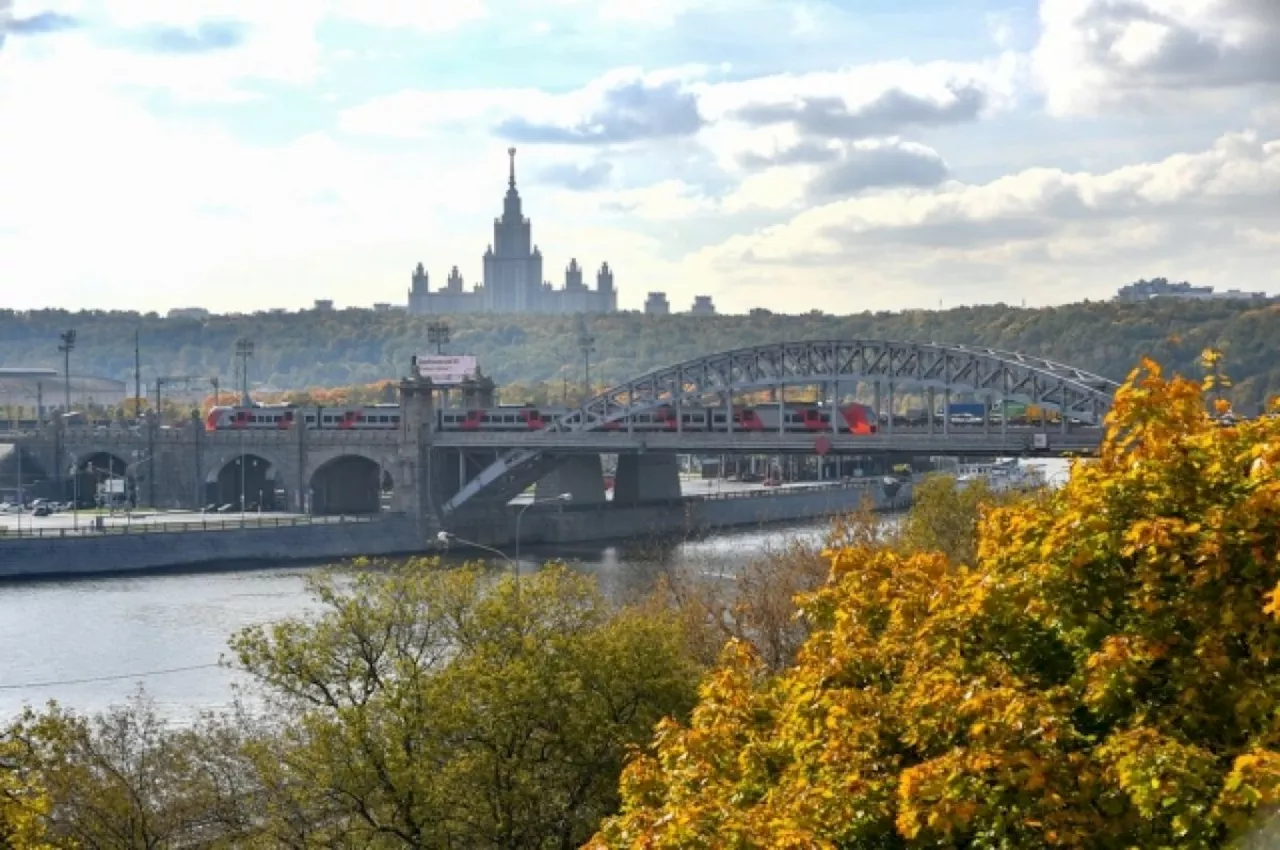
x,y
114,678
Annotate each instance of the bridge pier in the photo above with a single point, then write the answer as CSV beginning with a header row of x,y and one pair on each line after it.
x,y
581,476
647,477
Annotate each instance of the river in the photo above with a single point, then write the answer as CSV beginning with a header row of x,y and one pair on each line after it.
x,y
90,643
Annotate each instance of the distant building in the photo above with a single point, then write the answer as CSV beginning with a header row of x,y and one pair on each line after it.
x,y
324,305
1145,290
24,390
386,307
657,304
188,313
513,281
702,306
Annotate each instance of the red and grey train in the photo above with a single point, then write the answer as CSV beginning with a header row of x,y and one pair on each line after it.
x,y
772,417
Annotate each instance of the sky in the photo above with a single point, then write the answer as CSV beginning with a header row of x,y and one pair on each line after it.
x,y
809,154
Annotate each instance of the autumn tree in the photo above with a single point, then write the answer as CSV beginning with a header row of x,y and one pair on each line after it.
x,y
945,514
125,779
24,805
1106,673
429,708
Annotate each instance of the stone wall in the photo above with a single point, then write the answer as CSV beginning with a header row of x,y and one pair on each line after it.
x,y
123,553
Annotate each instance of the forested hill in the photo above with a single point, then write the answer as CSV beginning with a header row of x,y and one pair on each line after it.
x,y
309,349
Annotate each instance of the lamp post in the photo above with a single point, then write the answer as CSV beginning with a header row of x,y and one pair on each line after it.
x,y
563,497
445,538
75,493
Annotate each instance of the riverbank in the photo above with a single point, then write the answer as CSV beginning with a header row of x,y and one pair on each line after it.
x,y
189,546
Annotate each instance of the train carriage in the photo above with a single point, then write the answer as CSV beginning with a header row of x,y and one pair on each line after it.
x,y
774,417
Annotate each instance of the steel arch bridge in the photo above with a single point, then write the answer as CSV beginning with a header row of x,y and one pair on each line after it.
x,y
833,365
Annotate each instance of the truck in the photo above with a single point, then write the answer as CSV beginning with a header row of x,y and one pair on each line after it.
x,y
974,409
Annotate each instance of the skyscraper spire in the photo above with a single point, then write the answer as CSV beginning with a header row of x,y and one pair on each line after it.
x,y
511,181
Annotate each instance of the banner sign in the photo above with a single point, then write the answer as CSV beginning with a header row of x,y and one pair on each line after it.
x,y
447,369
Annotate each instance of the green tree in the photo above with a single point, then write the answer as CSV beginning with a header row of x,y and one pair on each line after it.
x,y
1106,672
126,780
429,708
944,516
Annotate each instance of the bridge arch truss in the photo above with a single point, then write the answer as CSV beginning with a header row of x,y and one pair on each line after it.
x,y
836,365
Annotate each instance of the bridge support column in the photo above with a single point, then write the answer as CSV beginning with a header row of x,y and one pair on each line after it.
x,y
581,476
648,477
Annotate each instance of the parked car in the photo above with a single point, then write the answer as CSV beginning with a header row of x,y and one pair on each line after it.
x,y
41,510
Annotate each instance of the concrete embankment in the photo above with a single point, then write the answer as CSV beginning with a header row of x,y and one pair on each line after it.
x,y
95,554
115,553
695,515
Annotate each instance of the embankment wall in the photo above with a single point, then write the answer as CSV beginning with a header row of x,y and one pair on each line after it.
x,y
50,557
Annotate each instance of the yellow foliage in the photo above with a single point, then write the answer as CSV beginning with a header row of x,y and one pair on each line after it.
x,y
1104,672
24,806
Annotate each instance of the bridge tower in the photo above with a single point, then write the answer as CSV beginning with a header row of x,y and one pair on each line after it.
x,y
417,420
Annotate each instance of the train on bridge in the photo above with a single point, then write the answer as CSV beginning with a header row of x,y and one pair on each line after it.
x,y
851,418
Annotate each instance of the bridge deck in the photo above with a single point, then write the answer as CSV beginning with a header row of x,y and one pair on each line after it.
x,y
964,443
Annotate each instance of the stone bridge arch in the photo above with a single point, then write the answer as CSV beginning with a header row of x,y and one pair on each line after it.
x,y
351,480
260,477
103,471
890,367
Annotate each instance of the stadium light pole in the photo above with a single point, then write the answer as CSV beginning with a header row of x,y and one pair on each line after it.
x,y
244,350
586,344
68,345
438,335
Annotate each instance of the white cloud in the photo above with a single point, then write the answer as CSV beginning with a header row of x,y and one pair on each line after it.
x,y
750,118
783,190
1095,55
430,16
1037,228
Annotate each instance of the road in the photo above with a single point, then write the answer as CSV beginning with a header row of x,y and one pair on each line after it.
x,y
68,522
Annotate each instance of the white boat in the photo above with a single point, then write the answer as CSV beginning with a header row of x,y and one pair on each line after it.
x,y
1002,475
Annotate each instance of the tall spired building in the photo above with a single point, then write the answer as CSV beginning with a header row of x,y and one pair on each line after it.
x,y
513,275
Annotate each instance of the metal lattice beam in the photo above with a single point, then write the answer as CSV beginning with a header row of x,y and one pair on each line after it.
x,y
836,366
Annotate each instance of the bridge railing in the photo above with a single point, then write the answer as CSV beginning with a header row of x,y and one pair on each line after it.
x,y
151,524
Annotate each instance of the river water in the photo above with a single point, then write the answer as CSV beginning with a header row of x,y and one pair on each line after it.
x,y
90,643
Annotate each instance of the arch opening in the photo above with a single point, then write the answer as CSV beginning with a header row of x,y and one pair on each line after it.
x,y
386,491
102,479
246,482
350,484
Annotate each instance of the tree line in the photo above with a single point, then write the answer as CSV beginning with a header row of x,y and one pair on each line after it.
x,y
541,356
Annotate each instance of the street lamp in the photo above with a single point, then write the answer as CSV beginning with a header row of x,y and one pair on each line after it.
x,y
75,492
444,538
563,497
